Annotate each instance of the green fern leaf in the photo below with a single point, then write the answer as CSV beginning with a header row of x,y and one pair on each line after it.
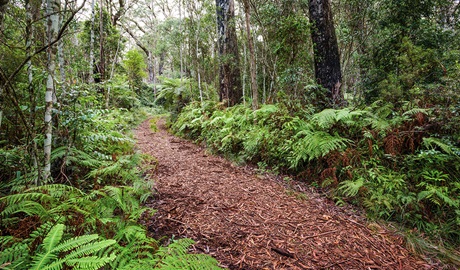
x,y
89,249
351,188
325,119
433,142
51,240
75,242
90,262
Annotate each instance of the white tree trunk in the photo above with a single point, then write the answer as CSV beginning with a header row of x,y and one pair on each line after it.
x,y
52,11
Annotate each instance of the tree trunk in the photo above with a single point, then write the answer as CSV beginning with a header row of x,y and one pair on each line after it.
x,y
161,63
32,14
101,44
150,67
3,4
326,52
61,62
52,11
180,45
252,58
91,44
229,67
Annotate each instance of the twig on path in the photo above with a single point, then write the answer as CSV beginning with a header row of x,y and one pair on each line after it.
x,y
321,234
283,252
336,263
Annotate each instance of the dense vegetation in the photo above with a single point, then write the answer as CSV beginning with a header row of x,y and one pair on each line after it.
x,y
392,164
383,133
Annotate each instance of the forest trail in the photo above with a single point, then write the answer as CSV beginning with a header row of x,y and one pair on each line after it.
x,y
250,221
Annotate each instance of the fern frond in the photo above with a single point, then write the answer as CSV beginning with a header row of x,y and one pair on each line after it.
x,y
58,190
75,242
49,243
434,142
315,144
415,111
90,248
325,119
175,256
90,262
27,196
14,253
350,188
28,207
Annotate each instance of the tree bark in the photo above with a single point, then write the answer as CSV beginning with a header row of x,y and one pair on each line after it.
x,y
229,67
52,11
101,43
91,44
326,52
252,58
3,4
161,63
32,14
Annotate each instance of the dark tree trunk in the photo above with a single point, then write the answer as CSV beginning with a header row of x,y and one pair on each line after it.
x,y
161,64
326,51
3,4
229,70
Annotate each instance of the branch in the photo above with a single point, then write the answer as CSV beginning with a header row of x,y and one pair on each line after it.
x,y
138,43
137,24
13,96
119,12
44,48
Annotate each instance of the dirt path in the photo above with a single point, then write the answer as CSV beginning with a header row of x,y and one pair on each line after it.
x,y
249,221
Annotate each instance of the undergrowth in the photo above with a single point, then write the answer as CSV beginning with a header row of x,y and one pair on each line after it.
x,y
395,164
88,217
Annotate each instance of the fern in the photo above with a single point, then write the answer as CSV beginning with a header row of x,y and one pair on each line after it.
x,y
445,147
175,256
329,117
314,144
81,248
351,188
49,243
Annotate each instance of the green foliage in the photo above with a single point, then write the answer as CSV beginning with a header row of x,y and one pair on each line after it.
x,y
102,229
54,252
134,66
389,162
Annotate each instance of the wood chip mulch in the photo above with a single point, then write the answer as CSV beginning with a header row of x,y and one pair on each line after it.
x,y
250,221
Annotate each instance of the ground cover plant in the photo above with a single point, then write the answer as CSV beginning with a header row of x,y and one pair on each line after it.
x,y
395,165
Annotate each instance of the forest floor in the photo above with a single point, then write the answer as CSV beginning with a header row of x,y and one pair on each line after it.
x,y
251,220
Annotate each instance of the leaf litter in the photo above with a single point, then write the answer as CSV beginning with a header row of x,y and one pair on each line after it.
x,y
248,220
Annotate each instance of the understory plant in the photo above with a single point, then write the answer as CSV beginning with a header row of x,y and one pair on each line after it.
x,y
88,217
59,226
394,163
